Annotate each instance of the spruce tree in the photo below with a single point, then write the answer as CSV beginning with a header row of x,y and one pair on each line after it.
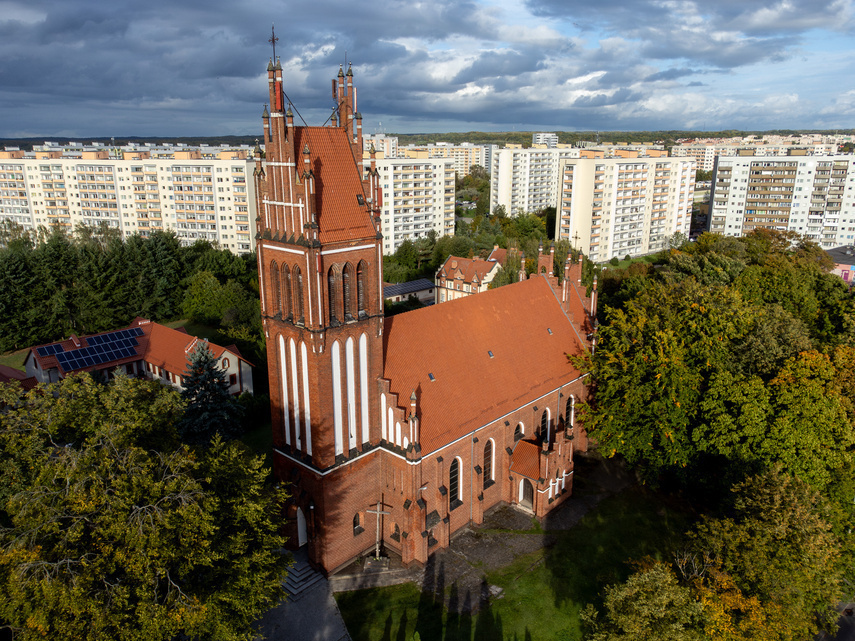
x,y
210,408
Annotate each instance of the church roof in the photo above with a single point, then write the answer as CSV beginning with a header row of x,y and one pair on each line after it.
x,y
478,358
338,185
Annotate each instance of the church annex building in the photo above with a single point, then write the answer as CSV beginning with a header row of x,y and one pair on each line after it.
x,y
431,417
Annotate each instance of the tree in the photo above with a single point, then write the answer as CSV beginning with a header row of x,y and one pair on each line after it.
x,y
102,538
779,547
210,408
650,606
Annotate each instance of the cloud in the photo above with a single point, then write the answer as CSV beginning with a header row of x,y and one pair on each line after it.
x,y
89,67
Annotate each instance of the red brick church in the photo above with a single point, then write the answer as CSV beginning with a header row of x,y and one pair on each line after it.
x,y
431,417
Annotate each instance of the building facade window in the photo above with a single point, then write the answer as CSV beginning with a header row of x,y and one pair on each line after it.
x,y
274,286
361,302
488,463
454,484
298,296
346,278
286,292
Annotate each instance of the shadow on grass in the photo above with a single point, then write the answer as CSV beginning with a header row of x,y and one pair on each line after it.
x,y
435,613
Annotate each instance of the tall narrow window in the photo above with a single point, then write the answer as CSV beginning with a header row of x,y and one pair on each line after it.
x,y
345,293
331,287
276,291
518,432
488,463
544,423
298,296
361,268
454,483
569,411
286,292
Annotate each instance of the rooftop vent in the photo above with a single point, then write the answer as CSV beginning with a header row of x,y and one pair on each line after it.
x,y
431,377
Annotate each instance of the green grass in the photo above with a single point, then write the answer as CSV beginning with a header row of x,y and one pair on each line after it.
x,y
14,359
543,591
197,329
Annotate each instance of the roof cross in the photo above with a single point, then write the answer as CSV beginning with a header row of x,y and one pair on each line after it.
x,y
273,40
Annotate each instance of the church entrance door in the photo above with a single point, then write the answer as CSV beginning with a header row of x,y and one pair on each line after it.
x,y
301,528
527,494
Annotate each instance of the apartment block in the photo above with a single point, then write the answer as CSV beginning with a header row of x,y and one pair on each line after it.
x,y
811,195
464,155
705,153
526,180
418,196
384,145
543,138
624,206
199,193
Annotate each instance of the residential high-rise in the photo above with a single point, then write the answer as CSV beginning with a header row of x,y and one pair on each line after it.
x,y
614,207
548,139
811,195
525,180
418,196
198,192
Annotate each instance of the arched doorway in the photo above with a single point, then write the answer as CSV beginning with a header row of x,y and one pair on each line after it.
x,y
301,528
526,498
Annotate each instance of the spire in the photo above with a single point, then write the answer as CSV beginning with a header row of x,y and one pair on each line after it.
x,y
270,65
265,113
350,69
340,72
289,113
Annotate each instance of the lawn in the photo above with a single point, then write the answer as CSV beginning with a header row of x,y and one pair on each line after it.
x,y
14,359
543,591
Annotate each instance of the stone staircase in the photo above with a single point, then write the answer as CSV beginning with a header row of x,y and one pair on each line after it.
x,y
301,576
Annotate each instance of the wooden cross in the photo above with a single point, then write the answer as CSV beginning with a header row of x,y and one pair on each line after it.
x,y
378,511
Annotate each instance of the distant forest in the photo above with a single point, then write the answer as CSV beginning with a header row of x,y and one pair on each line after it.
x,y
476,137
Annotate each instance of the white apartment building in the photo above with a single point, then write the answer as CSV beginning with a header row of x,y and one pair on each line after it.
x,y
543,138
199,193
705,153
811,195
614,207
526,180
464,155
383,144
418,195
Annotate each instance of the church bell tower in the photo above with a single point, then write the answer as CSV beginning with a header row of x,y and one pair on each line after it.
x,y
320,273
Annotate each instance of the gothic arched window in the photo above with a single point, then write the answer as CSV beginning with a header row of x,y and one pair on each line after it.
x,y
276,290
454,483
361,302
286,292
544,423
298,296
570,411
332,287
347,306
488,462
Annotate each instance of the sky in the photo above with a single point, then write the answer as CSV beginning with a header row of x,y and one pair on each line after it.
x,y
78,68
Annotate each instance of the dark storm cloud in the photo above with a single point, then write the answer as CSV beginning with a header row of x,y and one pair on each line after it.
x,y
197,67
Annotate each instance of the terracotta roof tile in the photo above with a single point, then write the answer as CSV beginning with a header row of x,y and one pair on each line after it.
x,y
466,269
526,459
337,184
8,374
453,342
